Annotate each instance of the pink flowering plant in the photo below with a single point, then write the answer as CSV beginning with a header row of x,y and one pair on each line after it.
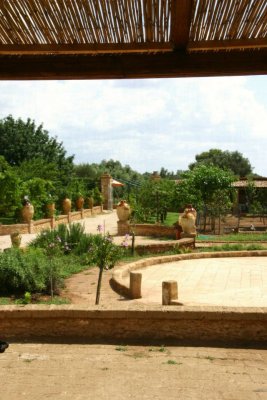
x,y
105,254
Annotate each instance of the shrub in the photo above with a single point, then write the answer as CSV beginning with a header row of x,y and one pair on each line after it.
x,y
23,271
64,237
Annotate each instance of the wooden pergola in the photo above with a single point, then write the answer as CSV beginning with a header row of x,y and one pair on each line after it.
x,y
101,39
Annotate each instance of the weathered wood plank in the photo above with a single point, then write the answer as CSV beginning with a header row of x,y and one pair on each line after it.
x,y
206,45
181,12
92,48
172,64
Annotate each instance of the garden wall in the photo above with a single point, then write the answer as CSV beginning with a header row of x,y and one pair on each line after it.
x,y
148,324
153,230
39,225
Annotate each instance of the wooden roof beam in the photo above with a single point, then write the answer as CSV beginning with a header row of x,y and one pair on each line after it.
x,y
126,66
110,48
181,14
234,44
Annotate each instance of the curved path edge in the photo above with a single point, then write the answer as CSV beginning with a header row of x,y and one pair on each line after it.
x,y
120,275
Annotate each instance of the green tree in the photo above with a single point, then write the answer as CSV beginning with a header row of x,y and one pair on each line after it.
x,y
202,186
24,141
154,199
38,190
90,174
105,254
10,190
227,160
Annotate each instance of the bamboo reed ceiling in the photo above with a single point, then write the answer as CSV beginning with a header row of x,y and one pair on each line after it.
x,y
59,30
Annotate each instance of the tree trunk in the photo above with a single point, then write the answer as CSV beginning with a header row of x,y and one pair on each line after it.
x,y
99,285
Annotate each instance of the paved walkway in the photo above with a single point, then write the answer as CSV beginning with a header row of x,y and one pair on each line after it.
x,y
108,221
233,282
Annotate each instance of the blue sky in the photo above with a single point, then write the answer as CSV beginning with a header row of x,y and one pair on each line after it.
x,y
147,124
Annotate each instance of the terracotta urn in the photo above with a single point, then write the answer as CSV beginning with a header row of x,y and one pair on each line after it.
x,y
15,239
79,203
27,212
187,220
89,202
66,205
123,211
50,210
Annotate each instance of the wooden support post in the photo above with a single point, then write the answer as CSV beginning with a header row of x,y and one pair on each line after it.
x,y
169,292
135,285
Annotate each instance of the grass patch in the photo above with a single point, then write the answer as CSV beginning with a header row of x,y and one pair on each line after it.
x,y
162,349
4,301
8,221
121,348
172,217
239,237
173,362
57,300
233,247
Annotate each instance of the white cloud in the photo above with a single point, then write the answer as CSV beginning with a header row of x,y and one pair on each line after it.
x,y
147,123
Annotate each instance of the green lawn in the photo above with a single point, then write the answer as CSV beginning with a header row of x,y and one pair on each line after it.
x,y
238,237
172,217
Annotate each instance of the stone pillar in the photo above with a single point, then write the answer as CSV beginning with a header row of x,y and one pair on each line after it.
x,y
106,190
52,222
31,227
169,292
135,285
123,228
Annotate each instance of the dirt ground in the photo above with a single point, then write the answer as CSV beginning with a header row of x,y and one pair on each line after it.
x,y
81,288
103,372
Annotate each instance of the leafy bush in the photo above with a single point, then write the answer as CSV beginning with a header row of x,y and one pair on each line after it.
x,y
37,271
23,271
65,238
103,252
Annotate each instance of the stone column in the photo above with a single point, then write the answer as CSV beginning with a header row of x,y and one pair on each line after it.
x,y
169,292
123,227
31,227
52,222
135,285
106,190
69,217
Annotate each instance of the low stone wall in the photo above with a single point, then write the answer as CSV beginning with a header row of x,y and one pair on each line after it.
x,y
87,212
165,246
153,230
148,324
39,225
61,219
97,210
76,216
8,229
